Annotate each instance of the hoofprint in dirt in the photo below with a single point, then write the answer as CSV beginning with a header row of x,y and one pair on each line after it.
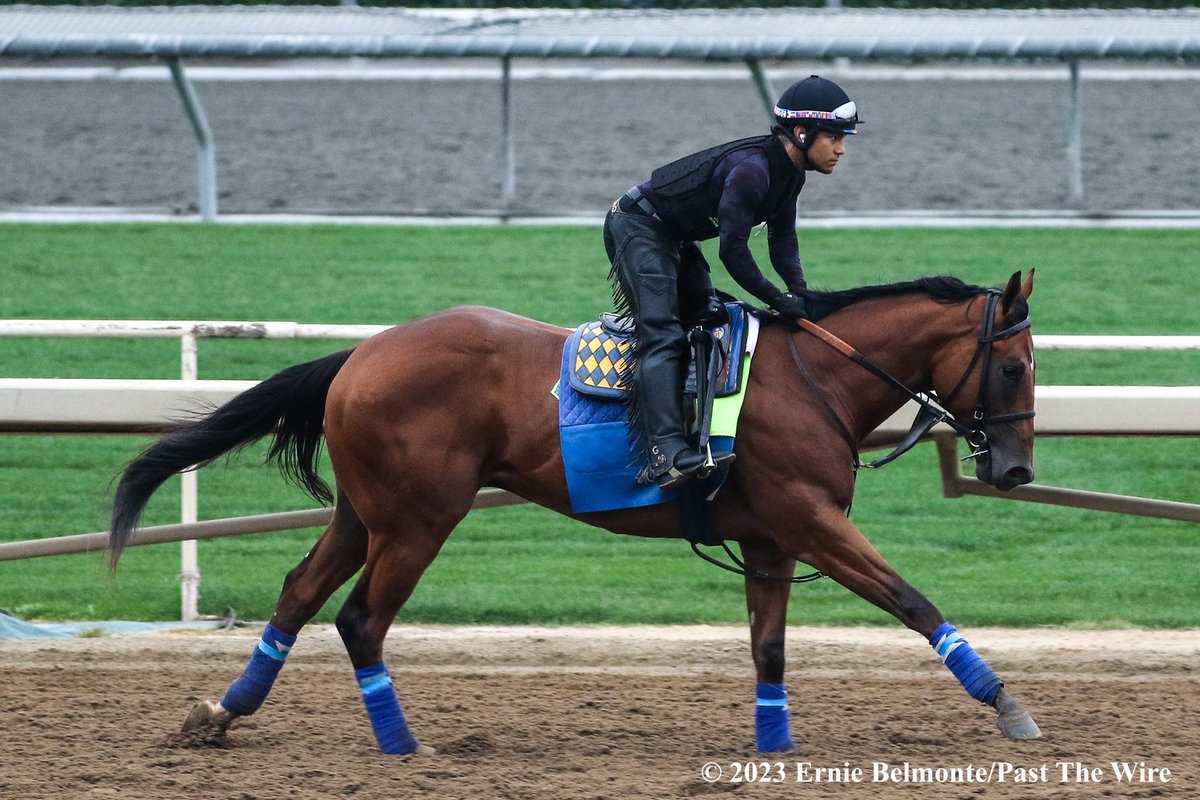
x,y
640,712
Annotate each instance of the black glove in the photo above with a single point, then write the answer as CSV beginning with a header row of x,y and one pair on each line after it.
x,y
791,305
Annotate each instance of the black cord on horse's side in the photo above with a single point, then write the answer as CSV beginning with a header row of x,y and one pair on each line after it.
x,y
739,567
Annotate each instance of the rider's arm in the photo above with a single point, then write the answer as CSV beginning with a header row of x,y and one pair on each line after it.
x,y
745,186
784,248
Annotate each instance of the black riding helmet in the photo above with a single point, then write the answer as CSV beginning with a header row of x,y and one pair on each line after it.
x,y
817,104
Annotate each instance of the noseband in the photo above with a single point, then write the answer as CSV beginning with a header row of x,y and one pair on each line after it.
x,y
933,410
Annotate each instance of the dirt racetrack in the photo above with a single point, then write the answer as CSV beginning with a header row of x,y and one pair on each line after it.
x,y
621,713
405,146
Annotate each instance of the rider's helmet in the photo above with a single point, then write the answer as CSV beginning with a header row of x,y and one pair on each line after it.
x,y
816,103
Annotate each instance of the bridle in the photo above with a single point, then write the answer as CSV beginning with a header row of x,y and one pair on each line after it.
x,y
933,409
976,437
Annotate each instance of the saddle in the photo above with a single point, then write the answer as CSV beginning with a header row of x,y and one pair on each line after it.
x,y
601,351
593,417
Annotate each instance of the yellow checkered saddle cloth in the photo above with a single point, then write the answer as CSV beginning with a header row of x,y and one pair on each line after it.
x,y
600,350
597,354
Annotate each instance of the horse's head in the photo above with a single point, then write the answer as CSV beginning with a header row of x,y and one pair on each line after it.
x,y
988,386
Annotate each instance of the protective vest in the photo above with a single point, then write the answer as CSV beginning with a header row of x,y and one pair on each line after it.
x,y
679,190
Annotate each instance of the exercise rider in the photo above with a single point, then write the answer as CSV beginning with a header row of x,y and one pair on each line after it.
x,y
660,277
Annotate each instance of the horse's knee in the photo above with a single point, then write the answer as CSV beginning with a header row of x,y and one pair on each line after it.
x,y
298,592
331,562
769,658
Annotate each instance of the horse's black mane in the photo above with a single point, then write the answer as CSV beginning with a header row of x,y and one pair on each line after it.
x,y
943,288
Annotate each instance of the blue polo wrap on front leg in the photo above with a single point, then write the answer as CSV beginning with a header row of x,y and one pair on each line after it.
x,y
250,690
772,729
968,666
383,709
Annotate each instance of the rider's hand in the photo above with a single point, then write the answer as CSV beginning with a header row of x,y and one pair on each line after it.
x,y
791,305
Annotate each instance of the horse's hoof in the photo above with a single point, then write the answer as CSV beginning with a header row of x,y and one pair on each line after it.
x,y
207,715
421,752
1013,720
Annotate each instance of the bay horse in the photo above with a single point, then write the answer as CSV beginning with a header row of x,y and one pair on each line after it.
x,y
418,418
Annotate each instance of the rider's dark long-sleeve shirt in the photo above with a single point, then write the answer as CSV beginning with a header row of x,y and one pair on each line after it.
x,y
738,188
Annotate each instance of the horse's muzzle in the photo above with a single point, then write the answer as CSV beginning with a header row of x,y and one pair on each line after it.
x,y
1014,477
1005,477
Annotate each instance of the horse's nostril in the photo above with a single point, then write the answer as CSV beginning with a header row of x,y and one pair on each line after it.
x,y
1018,476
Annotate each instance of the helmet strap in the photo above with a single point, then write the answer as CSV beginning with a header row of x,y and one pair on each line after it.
x,y
799,144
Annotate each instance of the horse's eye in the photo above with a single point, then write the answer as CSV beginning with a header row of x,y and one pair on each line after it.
x,y
1012,371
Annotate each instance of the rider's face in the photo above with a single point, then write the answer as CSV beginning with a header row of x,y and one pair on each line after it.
x,y
824,150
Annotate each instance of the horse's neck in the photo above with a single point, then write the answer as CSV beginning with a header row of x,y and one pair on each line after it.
x,y
901,335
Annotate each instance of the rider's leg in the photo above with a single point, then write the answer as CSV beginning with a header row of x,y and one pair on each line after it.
x,y
645,269
698,300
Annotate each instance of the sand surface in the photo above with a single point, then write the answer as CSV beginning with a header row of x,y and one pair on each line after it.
x,y
563,713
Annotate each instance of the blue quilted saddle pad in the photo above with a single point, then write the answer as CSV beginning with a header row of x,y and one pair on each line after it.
x,y
601,469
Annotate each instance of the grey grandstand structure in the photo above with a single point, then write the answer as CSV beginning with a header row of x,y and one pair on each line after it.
x,y
196,31
742,36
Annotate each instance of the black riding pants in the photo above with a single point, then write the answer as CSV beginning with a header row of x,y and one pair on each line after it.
x,y
657,275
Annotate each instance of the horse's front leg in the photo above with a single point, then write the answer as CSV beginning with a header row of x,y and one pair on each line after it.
x,y
766,602
844,554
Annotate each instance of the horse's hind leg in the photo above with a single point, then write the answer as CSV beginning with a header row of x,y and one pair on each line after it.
x,y
407,529
766,602
333,560
398,558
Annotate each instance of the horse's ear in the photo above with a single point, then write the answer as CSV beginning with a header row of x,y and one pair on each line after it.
x,y
1016,289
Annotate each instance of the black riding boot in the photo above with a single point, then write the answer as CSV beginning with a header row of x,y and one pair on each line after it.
x,y
646,265
670,458
662,416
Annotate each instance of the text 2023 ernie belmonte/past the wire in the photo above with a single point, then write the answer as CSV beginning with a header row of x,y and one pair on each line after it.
x,y
905,772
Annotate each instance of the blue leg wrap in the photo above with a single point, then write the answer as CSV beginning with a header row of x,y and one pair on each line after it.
x,y
967,665
248,692
772,731
391,730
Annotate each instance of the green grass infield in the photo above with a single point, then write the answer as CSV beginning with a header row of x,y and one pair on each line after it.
x,y
981,561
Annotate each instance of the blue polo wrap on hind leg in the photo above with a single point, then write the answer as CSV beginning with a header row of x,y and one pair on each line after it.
x,y
383,709
968,666
248,692
772,729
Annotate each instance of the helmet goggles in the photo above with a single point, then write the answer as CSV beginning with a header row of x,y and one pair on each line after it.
x,y
842,119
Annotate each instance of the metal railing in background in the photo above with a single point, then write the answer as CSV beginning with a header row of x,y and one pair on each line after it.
x,y
832,33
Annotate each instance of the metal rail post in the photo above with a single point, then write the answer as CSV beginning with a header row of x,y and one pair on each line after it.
x,y
1075,141
508,192
766,91
189,501
206,160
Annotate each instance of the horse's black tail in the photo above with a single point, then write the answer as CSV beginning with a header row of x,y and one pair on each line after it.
x,y
292,404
